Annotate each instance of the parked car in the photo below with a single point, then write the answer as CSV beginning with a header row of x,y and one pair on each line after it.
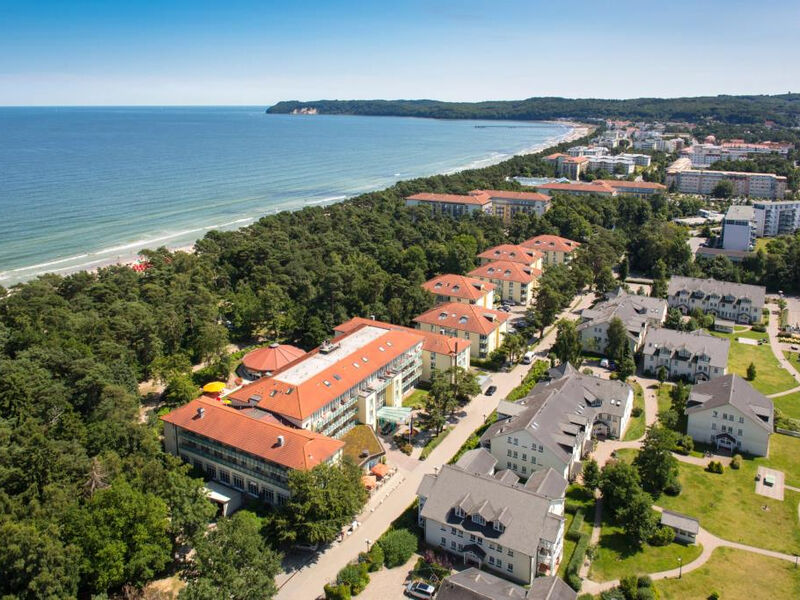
x,y
604,363
420,589
491,390
528,358
795,348
306,547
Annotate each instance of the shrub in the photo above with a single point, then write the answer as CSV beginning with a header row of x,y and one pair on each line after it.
x,y
645,594
673,488
684,444
398,545
758,327
373,559
713,596
663,536
574,581
585,597
715,466
736,461
355,577
336,592
574,531
644,581
574,565
636,411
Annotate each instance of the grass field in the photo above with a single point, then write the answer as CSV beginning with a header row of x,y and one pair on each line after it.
x,y
569,545
789,405
617,557
416,399
793,357
770,376
664,398
735,574
636,425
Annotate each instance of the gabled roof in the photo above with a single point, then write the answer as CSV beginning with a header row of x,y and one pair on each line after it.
x,y
432,342
584,188
680,521
463,317
732,390
532,196
695,343
633,310
458,286
756,293
301,449
513,253
551,243
506,270
623,184
478,198
272,357
474,584
477,461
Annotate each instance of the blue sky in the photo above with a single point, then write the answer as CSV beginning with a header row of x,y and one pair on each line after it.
x,y
246,52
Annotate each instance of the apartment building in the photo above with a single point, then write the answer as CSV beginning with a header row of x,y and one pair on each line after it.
x,y
737,302
555,250
490,521
439,352
249,451
459,288
617,164
506,205
571,167
341,383
578,189
739,228
454,205
474,584
528,257
514,281
552,426
728,413
483,327
657,144
503,204
633,188
776,218
637,313
687,180
588,151
695,356
704,155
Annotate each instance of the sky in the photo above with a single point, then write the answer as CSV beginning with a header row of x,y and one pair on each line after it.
x,y
242,52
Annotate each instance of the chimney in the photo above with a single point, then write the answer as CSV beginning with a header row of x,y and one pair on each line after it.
x,y
200,412
280,440
372,317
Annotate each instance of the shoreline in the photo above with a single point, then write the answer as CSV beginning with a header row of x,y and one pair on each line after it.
x,y
576,130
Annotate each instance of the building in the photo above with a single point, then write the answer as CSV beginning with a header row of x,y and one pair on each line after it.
x,y
515,281
551,427
737,302
439,352
474,584
483,327
341,383
453,205
523,255
507,205
616,164
706,154
776,218
739,228
267,360
578,189
746,185
491,521
658,144
633,188
459,288
556,250
695,356
588,151
686,528
637,313
249,451
729,414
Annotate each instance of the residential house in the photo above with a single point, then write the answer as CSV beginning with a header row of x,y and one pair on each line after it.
x,y
556,250
695,356
530,257
730,414
459,288
515,281
483,327
474,584
491,521
739,302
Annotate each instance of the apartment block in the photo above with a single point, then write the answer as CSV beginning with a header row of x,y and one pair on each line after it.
x,y
453,205
460,288
633,188
737,302
695,356
514,281
776,218
578,189
687,180
483,327
555,250
739,228
528,257
506,205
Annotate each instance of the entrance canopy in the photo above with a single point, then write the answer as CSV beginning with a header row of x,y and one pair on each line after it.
x,y
394,414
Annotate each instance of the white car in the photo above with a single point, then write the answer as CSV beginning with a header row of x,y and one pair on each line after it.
x,y
604,363
420,589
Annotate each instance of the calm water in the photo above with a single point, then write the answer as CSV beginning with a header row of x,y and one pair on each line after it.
x,y
84,186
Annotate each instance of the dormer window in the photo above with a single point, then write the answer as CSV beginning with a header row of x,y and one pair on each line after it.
x,y
498,526
476,518
459,512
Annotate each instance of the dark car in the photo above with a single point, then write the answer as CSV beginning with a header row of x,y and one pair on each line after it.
x,y
491,390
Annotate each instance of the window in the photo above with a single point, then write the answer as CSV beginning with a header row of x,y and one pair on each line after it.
x,y
508,439
480,541
516,441
498,526
510,568
516,455
491,546
224,476
453,530
715,414
541,448
524,456
491,560
459,513
533,459
499,548
471,537
510,552
478,519
508,464
740,432
453,545
524,469
268,494
460,533
509,453
499,564
741,419
724,416
238,482
443,542
252,488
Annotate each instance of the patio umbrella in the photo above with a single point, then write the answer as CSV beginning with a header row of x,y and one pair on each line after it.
x,y
214,387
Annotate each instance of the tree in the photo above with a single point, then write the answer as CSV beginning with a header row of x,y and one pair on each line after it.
x,y
674,319
591,474
619,483
627,366
639,520
514,346
617,335
398,546
180,390
723,189
567,346
623,269
441,399
548,302
655,463
751,372
662,374
189,507
464,382
233,562
604,281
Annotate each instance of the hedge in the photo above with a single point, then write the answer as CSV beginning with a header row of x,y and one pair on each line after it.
x,y
574,531
574,565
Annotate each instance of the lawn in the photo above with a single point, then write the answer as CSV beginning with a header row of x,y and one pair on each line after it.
x,y
727,505
735,574
793,357
664,398
636,425
416,399
789,405
569,545
770,376
616,556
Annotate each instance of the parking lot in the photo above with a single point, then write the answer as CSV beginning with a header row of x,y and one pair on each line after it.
x,y
774,491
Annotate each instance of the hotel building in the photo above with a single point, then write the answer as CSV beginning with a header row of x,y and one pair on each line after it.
x,y
484,327
776,218
755,185
556,250
452,204
515,281
460,288
528,257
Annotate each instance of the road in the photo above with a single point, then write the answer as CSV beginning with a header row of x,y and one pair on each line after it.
x,y
387,504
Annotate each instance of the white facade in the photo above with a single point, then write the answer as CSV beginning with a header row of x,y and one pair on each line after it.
x,y
745,435
739,228
776,218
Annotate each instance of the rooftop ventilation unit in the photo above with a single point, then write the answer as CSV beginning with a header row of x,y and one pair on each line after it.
x,y
281,440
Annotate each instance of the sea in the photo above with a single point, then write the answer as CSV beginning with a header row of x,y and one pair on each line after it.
x,y
85,187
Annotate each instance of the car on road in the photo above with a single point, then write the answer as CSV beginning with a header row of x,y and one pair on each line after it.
x,y
306,547
420,589
490,390
795,348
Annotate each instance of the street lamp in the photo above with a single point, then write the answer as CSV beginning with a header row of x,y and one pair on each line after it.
x,y
680,567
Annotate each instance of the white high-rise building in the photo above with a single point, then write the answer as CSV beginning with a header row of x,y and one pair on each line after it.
x,y
776,218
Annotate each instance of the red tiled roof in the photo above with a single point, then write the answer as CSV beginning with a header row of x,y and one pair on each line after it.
x,y
551,243
587,188
515,195
271,358
463,317
513,253
432,342
576,159
618,183
555,156
301,400
506,271
301,449
458,286
480,199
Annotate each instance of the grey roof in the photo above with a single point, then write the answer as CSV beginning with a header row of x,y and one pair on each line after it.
x,y
734,391
634,311
756,293
556,412
474,584
680,521
477,461
525,513
695,343
740,212
547,483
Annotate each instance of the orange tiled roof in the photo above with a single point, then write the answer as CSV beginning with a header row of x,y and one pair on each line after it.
x,y
587,188
480,199
513,253
298,396
618,183
432,342
555,156
458,286
301,449
507,271
271,358
463,317
576,159
551,243
515,195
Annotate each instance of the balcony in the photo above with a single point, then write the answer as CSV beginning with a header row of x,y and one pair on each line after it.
x,y
232,463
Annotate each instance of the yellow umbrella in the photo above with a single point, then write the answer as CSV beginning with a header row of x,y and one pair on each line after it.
x,y
214,387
